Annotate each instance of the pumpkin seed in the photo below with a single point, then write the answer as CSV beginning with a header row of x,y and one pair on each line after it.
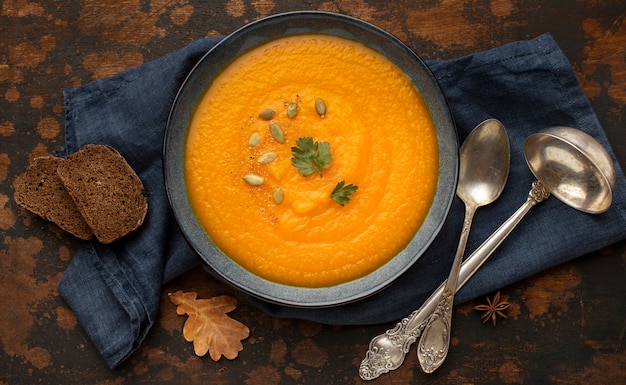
x,y
277,132
267,114
254,139
278,195
253,179
320,107
292,110
267,157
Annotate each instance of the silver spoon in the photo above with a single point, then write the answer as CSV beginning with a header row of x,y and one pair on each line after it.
x,y
483,170
567,162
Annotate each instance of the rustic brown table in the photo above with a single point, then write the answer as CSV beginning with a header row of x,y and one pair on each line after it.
x,y
564,326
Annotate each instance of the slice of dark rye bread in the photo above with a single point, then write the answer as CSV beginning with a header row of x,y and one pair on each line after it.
x,y
106,190
40,191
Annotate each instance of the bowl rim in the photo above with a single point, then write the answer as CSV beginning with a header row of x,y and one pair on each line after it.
x,y
257,33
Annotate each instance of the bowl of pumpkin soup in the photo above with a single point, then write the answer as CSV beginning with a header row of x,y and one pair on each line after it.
x,y
310,158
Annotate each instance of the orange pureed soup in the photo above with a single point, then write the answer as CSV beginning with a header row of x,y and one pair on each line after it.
x,y
382,140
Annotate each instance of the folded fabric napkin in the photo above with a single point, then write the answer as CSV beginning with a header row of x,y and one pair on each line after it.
x,y
528,85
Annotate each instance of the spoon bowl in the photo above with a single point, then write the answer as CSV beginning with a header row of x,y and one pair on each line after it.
x,y
483,164
573,167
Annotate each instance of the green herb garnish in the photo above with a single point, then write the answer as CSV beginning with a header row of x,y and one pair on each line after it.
x,y
310,156
342,193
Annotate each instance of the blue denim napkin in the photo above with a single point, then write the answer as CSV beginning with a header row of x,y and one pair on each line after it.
x,y
528,85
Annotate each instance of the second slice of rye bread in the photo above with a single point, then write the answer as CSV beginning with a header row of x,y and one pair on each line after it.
x,y
40,191
106,190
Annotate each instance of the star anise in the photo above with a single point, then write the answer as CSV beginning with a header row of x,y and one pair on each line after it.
x,y
493,309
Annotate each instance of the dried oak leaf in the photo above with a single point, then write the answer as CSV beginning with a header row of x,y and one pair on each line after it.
x,y
208,326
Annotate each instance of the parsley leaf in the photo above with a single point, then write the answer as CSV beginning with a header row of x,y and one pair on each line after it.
x,y
310,157
342,193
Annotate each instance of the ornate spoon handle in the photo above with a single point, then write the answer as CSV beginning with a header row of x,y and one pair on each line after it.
x,y
387,351
434,342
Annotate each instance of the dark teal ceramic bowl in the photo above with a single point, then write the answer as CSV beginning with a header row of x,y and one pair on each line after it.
x,y
214,62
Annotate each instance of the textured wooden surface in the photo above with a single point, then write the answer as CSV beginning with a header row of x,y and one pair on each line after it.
x,y
565,326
